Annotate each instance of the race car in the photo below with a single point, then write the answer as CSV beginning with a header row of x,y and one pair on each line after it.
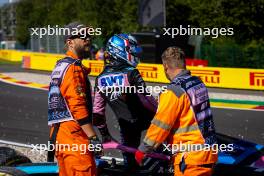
x,y
247,159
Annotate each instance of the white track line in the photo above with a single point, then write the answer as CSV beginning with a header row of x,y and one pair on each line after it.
x,y
16,144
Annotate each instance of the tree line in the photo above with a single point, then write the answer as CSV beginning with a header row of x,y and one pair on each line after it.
x,y
115,16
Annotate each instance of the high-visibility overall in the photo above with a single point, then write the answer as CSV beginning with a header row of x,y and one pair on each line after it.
x,y
184,117
70,105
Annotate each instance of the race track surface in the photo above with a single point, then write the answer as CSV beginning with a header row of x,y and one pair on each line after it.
x,y
23,118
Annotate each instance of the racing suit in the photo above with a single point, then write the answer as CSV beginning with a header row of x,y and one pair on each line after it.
x,y
133,110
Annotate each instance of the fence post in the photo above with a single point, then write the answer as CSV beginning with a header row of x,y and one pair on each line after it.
x,y
39,44
31,43
47,45
57,44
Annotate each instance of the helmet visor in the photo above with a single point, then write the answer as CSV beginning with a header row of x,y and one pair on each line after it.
x,y
136,51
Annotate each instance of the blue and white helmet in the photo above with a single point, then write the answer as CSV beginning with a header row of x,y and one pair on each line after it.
x,y
124,47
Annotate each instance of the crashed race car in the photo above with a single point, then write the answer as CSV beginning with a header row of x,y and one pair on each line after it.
x,y
247,159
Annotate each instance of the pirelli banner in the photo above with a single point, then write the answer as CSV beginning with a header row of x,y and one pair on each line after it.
x,y
252,79
231,77
237,78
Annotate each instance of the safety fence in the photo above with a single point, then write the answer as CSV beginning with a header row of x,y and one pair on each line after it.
x,y
47,43
237,78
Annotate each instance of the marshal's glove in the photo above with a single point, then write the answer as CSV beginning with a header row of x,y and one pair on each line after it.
x,y
140,157
142,152
97,145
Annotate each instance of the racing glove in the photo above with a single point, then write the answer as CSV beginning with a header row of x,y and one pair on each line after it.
x,y
106,137
100,122
97,145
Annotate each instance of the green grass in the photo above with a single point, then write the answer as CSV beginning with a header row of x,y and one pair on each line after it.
x,y
6,62
259,103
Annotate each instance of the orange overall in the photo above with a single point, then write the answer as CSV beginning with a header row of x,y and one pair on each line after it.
x,y
175,122
72,159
